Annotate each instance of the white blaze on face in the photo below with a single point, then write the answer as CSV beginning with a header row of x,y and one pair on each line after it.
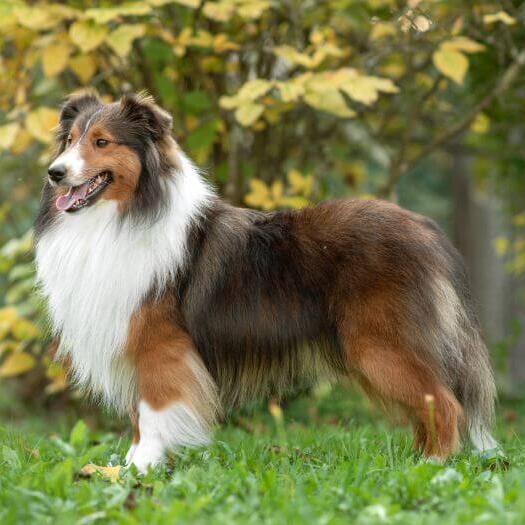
x,y
72,160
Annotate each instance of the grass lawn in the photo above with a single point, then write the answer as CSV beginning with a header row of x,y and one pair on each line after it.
x,y
332,461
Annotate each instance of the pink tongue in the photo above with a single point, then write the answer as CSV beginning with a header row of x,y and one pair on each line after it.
x,y
65,202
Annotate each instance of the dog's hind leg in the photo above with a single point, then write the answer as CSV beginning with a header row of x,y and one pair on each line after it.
x,y
400,378
177,402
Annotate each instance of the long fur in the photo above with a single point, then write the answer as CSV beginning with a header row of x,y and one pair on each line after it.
x,y
97,270
270,301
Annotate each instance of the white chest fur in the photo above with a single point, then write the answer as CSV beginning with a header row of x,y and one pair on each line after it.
x,y
95,272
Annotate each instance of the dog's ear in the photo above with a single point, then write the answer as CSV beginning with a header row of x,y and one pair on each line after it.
x,y
72,107
141,109
76,104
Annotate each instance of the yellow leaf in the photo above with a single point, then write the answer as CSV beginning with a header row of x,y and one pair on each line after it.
x,y
249,92
501,245
58,379
220,11
229,102
453,64
290,91
221,43
54,58
24,329
277,190
462,43
22,141
275,410
253,89
8,134
122,38
17,363
87,35
248,113
519,220
296,202
187,3
299,183
41,122
259,195
7,346
110,473
326,50
8,19
8,317
36,18
331,101
500,16
382,30
295,57
481,124
367,197
254,9
103,15
366,89
84,67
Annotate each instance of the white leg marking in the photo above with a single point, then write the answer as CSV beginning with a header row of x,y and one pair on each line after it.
x,y
162,430
482,440
131,452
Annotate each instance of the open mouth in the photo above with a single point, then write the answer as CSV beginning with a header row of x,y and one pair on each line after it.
x,y
79,197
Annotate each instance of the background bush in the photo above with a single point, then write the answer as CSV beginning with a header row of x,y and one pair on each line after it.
x,y
282,103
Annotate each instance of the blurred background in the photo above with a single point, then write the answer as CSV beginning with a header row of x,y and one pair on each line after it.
x,y
282,103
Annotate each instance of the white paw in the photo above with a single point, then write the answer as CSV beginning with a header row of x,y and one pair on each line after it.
x,y
147,454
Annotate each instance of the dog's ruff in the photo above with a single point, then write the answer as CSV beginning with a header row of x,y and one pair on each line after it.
x,y
96,271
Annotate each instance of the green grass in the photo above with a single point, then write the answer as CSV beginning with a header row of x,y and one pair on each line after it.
x,y
332,461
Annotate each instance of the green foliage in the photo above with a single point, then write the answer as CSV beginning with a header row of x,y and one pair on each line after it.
x,y
295,468
284,102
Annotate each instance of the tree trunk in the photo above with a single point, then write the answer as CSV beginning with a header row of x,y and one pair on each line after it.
x,y
478,220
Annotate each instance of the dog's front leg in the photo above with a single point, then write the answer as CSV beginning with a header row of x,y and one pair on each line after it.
x,y
177,399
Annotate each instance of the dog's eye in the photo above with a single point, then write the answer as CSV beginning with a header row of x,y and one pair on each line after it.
x,y
101,143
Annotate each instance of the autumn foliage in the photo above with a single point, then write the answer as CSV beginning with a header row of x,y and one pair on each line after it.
x,y
283,102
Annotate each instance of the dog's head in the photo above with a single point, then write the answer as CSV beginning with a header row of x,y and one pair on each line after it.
x,y
118,151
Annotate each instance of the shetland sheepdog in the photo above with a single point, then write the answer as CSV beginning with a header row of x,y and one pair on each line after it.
x,y
173,306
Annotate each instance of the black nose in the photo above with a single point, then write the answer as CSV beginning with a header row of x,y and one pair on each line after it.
x,y
57,173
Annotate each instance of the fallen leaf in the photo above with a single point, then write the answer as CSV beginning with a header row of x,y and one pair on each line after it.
x,y
110,473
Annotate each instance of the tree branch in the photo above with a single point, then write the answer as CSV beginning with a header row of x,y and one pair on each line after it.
x,y
505,82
